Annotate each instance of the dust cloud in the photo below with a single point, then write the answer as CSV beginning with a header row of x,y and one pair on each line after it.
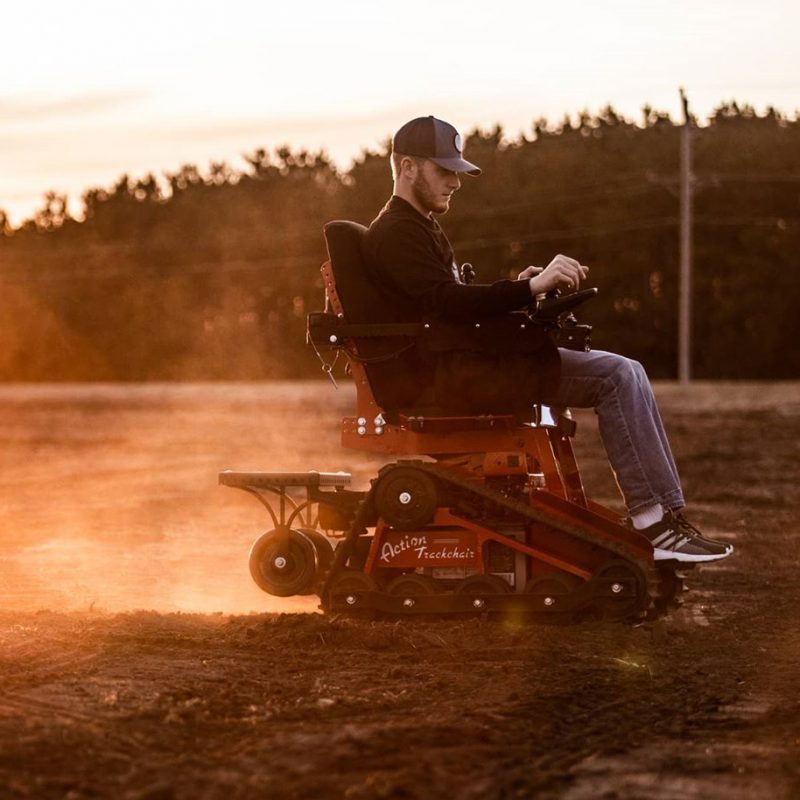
x,y
110,498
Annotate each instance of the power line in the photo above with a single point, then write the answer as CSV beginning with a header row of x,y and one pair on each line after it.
x,y
570,233
591,194
782,223
752,177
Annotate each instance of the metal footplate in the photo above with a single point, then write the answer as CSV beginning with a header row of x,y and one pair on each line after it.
x,y
279,480
276,487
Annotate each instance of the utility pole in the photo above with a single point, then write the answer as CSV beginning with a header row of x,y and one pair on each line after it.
x,y
685,279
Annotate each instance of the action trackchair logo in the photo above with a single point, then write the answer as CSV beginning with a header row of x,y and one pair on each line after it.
x,y
424,548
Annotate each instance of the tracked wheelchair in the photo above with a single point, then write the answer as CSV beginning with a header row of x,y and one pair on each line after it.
x,y
477,513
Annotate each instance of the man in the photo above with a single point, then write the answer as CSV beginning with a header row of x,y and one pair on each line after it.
x,y
411,260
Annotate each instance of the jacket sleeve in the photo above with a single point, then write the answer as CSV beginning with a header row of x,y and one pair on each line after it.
x,y
405,261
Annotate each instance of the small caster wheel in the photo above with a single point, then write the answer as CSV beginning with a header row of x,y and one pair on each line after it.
x,y
323,548
283,563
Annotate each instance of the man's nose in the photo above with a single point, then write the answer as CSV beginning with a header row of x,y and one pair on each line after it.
x,y
456,182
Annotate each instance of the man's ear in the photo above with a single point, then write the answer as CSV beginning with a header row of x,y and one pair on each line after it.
x,y
408,167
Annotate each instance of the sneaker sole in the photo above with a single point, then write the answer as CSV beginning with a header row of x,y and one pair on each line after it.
x,y
671,555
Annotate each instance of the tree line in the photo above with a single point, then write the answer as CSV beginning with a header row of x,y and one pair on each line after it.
x,y
208,274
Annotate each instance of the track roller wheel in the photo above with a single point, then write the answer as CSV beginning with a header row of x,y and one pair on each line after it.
x,y
352,584
620,590
323,548
283,563
411,585
406,498
479,587
550,590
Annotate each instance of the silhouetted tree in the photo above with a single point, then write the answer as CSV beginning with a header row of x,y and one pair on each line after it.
x,y
53,213
209,274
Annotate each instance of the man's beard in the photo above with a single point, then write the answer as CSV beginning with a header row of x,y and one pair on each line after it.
x,y
426,197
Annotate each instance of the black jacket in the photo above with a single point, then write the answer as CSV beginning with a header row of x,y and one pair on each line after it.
x,y
410,258
410,262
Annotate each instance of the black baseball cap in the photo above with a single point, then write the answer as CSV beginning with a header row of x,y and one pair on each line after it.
x,y
439,141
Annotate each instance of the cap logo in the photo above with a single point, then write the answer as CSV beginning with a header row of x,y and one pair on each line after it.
x,y
457,141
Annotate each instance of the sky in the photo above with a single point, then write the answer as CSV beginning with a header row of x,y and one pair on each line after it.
x,y
93,89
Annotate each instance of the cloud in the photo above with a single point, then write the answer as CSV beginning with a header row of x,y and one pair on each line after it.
x,y
46,108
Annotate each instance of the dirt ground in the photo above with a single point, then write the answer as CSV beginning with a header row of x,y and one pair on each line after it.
x,y
138,660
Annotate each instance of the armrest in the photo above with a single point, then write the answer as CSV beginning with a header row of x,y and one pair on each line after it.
x,y
325,329
551,308
507,333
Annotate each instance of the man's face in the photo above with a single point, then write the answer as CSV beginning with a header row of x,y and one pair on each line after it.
x,y
433,186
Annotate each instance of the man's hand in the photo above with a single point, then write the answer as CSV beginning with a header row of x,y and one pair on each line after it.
x,y
562,272
529,272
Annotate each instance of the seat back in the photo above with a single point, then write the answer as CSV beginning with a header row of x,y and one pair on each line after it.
x,y
398,374
362,302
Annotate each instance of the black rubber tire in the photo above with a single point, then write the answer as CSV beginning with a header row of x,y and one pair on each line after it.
x,y
406,498
323,547
299,573
554,585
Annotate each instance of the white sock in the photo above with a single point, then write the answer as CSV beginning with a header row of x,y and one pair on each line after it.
x,y
644,519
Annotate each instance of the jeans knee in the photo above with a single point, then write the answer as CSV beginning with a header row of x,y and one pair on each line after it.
x,y
640,371
626,372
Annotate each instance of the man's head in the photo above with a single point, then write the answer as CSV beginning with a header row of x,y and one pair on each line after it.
x,y
426,162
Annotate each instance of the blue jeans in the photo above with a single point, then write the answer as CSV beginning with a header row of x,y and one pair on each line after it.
x,y
630,426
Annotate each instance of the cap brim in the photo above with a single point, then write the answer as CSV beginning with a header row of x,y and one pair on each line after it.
x,y
457,165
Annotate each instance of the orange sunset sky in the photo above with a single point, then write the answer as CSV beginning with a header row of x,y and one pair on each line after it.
x,y
94,89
